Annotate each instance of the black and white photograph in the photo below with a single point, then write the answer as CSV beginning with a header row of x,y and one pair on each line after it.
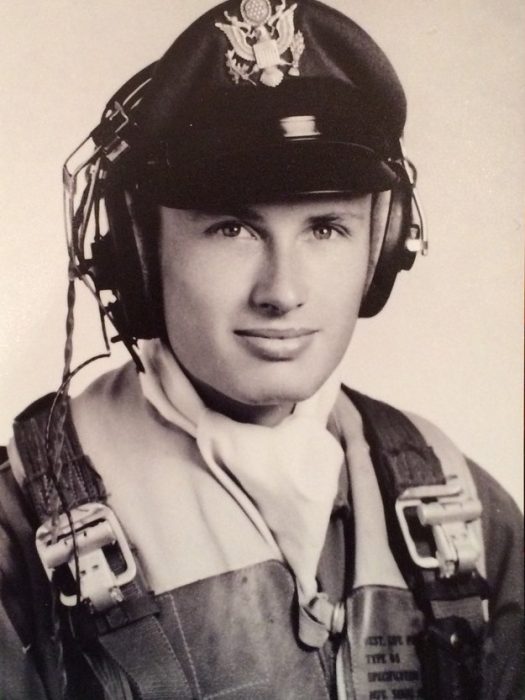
x,y
262,350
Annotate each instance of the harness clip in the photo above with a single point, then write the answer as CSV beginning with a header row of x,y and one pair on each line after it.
x,y
450,512
95,527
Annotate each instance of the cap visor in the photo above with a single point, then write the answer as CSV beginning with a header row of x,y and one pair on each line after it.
x,y
277,171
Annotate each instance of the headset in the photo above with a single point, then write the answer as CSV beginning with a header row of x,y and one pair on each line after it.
x,y
122,262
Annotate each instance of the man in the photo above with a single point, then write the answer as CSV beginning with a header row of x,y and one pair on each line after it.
x,y
227,521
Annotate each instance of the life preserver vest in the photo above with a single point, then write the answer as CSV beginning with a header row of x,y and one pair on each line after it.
x,y
226,630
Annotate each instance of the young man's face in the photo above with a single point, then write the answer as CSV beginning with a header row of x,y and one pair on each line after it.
x,y
260,303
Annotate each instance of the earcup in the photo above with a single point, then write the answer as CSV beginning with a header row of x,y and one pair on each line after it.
x,y
128,255
390,228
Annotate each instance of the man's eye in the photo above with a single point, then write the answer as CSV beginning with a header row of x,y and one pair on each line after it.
x,y
231,229
328,231
323,232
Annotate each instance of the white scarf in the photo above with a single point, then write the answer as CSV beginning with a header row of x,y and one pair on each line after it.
x,y
290,471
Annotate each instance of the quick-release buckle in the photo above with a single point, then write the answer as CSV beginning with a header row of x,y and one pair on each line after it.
x,y
450,512
95,527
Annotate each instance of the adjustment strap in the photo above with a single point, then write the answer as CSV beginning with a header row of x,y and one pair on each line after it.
x,y
132,636
466,608
142,650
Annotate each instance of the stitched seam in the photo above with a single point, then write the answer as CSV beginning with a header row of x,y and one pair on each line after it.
x,y
166,643
164,637
130,676
186,646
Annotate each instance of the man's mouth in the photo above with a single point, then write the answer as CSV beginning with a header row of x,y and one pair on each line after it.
x,y
278,333
276,344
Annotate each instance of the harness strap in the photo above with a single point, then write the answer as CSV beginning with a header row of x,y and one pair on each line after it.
x,y
129,627
142,650
452,602
79,482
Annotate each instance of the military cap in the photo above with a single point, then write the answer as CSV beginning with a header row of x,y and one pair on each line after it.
x,y
263,99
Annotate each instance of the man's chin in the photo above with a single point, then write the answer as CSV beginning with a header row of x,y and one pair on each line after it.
x,y
276,392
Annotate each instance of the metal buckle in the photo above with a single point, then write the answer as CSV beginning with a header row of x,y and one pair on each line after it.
x,y
109,134
95,526
450,512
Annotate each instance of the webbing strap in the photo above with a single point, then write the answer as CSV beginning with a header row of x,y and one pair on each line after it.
x,y
133,638
451,647
402,458
79,481
144,653
129,632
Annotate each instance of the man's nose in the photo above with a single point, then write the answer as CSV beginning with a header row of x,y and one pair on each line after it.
x,y
281,284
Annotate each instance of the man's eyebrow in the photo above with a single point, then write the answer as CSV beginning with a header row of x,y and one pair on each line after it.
x,y
246,213
339,215
235,212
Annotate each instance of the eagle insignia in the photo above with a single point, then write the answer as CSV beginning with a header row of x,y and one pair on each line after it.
x,y
259,41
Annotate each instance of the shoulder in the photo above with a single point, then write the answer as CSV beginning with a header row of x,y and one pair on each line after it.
x,y
117,385
503,540
489,490
28,669
10,500
502,533
498,505
502,522
17,533
388,428
107,403
16,583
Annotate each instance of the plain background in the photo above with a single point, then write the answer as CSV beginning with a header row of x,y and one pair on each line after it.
x,y
448,344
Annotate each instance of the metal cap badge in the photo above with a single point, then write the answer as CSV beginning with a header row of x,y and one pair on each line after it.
x,y
260,41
